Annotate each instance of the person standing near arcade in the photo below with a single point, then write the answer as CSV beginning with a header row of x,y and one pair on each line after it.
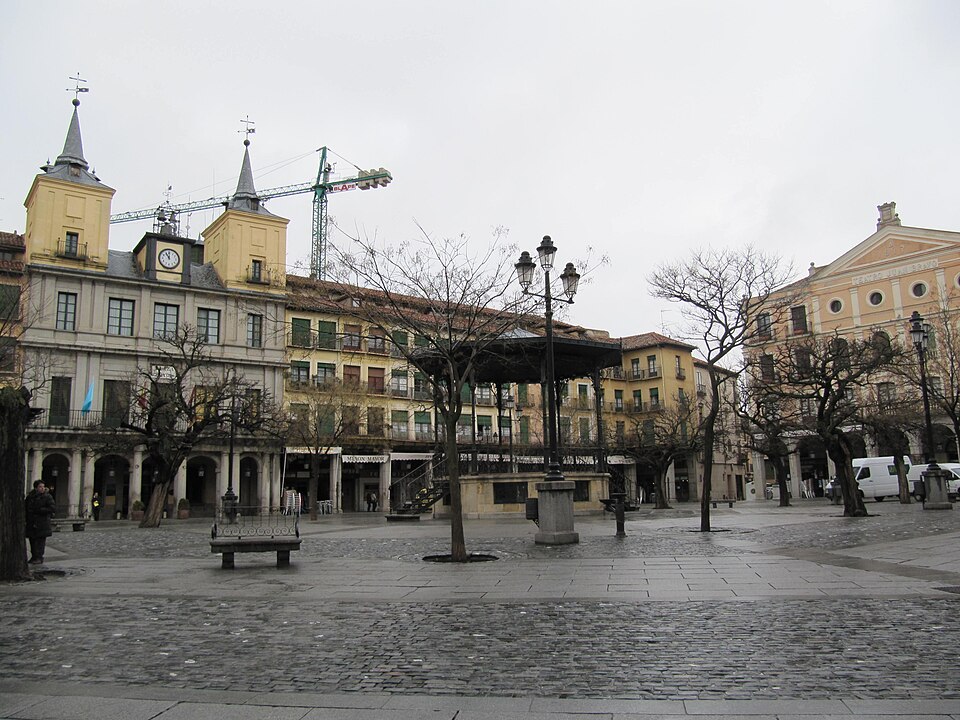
x,y
39,507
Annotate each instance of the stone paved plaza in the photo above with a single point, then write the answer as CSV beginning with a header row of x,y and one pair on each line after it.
x,y
781,613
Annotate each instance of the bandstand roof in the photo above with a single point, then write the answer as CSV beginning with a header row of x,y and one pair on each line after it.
x,y
519,357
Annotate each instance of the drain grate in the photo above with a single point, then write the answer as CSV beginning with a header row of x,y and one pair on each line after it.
x,y
951,589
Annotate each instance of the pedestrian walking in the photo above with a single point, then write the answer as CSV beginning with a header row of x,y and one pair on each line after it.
x,y
371,501
39,508
95,506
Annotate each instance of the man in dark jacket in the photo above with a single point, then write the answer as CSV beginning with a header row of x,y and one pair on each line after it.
x,y
39,507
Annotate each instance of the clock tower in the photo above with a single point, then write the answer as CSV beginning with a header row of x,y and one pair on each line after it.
x,y
164,256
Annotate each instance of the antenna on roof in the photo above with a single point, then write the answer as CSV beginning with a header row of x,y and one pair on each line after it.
x,y
248,130
77,88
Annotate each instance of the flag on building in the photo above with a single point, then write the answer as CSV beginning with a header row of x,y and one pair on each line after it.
x,y
88,400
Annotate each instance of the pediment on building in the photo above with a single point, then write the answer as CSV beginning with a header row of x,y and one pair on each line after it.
x,y
895,245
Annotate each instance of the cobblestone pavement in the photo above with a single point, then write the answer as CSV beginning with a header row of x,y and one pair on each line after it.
x,y
864,647
874,649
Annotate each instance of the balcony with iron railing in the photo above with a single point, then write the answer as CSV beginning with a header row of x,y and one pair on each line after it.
x,y
681,375
637,374
72,250
653,372
612,373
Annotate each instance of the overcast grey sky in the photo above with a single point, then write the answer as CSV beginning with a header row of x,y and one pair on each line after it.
x,y
641,129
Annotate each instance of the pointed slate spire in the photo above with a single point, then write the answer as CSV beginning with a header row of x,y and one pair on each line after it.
x,y
246,198
70,165
73,146
245,187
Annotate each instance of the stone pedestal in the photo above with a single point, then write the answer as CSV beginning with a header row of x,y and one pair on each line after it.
x,y
556,513
935,482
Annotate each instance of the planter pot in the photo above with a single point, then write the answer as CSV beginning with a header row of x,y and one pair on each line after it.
x,y
136,515
183,514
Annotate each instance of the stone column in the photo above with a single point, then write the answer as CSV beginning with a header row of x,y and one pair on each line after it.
x,y
180,484
759,477
336,472
74,484
89,473
556,513
386,477
795,474
36,469
222,476
136,474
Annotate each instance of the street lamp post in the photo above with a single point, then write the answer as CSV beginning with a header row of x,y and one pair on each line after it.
x,y
509,404
230,497
935,492
555,493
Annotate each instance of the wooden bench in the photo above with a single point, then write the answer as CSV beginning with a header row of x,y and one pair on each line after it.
x,y
228,546
724,500
255,529
78,524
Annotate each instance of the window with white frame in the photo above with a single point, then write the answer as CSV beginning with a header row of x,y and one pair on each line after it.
x,y
66,311
165,320
208,325
119,317
254,331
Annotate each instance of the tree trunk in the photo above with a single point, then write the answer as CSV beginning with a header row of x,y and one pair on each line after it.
x,y
902,482
852,500
458,543
709,437
662,503
14,416
158,499
780,469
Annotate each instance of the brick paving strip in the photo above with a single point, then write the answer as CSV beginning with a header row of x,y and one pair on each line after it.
x,y
632,634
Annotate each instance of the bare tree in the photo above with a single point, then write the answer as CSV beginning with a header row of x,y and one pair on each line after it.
x,y
322,415
675,431
183,399
943,364
455,297
723,293
887,412
767,420
823,376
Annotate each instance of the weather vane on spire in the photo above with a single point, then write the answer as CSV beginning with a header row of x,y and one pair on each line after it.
x,y
77,88
248,130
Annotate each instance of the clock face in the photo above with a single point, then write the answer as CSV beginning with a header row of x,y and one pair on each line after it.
x,y
169,258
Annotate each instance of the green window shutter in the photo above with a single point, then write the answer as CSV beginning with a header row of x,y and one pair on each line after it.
x,y
524,429
399,416
484,421
327,335
419,341
300,332
399,337
465,393
421,418
522,393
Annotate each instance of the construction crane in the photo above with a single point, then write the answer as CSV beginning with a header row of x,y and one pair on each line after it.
x,y
322,187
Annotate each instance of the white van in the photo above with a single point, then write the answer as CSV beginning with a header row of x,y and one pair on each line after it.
x,y
953,477
877,476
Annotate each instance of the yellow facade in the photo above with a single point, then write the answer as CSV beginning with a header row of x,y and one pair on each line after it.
x,y
248,250
56,209
875,285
